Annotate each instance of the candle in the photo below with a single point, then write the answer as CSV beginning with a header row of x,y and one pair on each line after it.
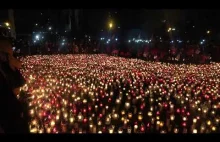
x,y
176,130
33,130
140,117
80,117
111,130
149,113
135,128
120,131
194,131
52,123
127,105
115,116
172,117
91,127
129,130
107,120
94,130
129,115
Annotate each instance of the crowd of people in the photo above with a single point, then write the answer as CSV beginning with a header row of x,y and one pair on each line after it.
x,y
151,51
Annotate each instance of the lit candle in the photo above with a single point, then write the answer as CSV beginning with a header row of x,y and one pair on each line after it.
x,y
111,130
127,105
135,128
176,130
140,117
80,117
129,115
194,131
120,131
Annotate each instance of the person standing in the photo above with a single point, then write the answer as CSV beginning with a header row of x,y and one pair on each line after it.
x,y
11,109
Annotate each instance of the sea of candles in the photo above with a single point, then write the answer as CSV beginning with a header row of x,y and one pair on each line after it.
x,y
105,94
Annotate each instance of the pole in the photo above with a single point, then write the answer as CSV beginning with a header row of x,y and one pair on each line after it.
x,y
12,22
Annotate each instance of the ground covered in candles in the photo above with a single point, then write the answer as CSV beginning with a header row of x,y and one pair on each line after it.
x,y
106,94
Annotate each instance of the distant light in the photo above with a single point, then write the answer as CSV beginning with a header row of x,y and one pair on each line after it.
x,y
169,29
9,28
146,41
36,24
208,32
119,27
42,37
63,39
173,29
65,31
160,37
35,41
133,38
62,43
150,40
41,13
7,24
74,38
50,28
110,25
101,38
203,40
109,40
85,35
172,41
116,39
129,40
193,26
37,36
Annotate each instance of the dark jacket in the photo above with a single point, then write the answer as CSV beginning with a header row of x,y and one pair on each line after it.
x,y
10,107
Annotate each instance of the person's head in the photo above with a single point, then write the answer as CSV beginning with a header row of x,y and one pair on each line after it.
x,y
6,45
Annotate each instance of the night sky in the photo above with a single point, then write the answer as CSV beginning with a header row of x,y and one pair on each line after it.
x,y
149,21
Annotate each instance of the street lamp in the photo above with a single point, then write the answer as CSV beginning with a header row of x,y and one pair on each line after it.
x,y
208,32
110,25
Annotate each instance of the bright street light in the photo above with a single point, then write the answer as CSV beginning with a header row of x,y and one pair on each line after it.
x,y
110,25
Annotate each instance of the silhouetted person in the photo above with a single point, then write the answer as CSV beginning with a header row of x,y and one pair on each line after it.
x,y
11,109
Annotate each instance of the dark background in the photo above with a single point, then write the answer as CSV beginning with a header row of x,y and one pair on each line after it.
x,y
150,21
